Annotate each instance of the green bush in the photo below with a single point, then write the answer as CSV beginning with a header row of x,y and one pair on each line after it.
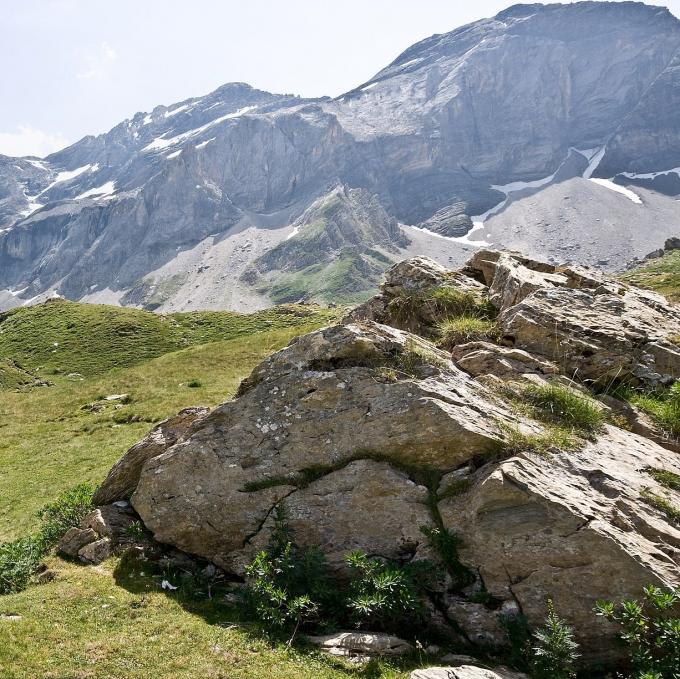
x,y
194,384
385,596
66,511
19,559
650,630
563,406
555,654
290,588
287,586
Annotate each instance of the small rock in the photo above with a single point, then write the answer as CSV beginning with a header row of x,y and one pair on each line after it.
x,y
74,540
95,552
465,672
361,645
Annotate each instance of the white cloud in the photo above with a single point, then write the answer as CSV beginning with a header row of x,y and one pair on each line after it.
x,y
28,141
97,63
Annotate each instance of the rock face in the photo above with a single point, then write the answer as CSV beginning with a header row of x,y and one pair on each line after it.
x,y
124,476
367,434
170,209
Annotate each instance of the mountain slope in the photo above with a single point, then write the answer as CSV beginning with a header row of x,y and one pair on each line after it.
x,y
170,209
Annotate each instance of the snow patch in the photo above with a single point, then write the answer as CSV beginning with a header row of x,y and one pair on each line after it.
x,y
203,144
100,191
147,119
458,239
608,184
294,232
175,111
174,154
649,175
162,143
67,175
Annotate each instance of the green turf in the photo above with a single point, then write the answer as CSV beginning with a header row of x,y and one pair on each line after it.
x,y
54,437
62,337
661,275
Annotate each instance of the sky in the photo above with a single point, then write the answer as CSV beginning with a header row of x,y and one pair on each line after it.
x,y
79,67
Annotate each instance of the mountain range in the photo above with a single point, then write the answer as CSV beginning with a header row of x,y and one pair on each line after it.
x,y
548,128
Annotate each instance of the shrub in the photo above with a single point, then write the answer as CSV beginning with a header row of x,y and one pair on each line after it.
x,y
194,384
383,595
20,558
554,403
650,630
554,655
66,511
288,586
465,328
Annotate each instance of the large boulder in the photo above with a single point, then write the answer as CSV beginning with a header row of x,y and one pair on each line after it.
x,y
367,433
304,419
595,328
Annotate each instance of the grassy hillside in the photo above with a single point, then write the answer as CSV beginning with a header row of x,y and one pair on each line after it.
x,y
54,437
661,275
66,337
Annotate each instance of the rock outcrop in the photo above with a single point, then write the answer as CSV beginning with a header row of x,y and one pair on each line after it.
x,y
370,436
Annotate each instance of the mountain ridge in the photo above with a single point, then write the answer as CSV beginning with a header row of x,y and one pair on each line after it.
x,y
466,118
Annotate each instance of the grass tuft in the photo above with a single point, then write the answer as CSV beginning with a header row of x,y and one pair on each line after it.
x,y
551,438
562,406
663,504
662,406
466,328
666,478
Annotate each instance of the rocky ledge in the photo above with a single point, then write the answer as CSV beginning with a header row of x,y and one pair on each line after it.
x,y
373,431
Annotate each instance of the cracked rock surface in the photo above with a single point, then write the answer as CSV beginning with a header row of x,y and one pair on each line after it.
x,y
366,433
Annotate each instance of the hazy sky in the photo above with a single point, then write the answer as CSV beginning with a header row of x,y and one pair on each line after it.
x,y
77,67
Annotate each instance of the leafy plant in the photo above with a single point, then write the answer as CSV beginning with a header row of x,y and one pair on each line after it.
x,y
650,630
194,384
518,637
135,530
555,652
287,586
446,545
383,595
